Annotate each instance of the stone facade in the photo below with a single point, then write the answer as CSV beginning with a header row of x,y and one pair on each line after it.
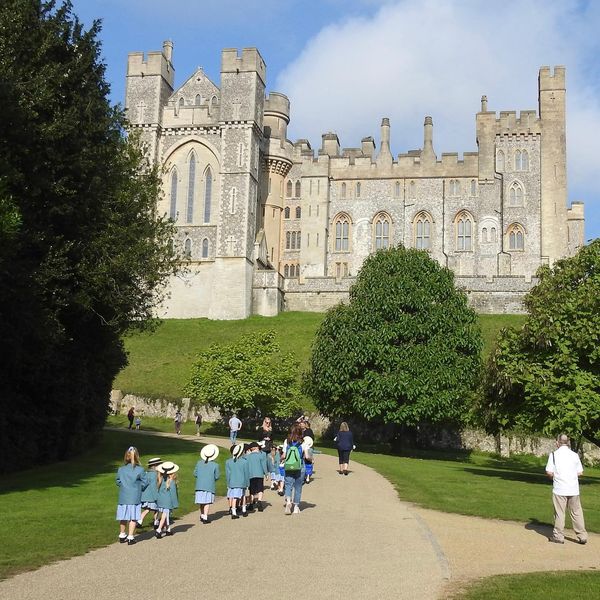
x,y
270,225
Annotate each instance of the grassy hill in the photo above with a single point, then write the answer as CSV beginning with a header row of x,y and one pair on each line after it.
x,y
160,362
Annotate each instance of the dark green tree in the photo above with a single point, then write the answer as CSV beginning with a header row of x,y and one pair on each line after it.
x,y
545,377
250,376
405,350
83,252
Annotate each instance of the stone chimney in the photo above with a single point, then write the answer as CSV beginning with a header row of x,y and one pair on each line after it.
x,y
428,152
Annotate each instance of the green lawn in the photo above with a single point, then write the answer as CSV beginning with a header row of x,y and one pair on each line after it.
x,y
160,362
72,505
535,586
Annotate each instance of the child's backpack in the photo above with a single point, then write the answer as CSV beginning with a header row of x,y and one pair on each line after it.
x,y
293,460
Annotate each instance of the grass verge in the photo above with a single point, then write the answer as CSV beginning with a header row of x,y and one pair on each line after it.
x,y
72,504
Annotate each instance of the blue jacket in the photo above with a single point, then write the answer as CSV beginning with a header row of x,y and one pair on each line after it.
x,y
131,480
167,498
345,441
206,473
149,494
257,464
273,462
237,473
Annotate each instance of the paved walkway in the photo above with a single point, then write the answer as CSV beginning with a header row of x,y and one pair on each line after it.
x,y
353,540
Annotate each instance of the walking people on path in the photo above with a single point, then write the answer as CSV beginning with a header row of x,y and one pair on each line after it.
x,y
132,481
167,499
130,417
257,468
178,421
564,468
198,423
294,469
265,433
238,479
345,444
150,494
206,473
234,426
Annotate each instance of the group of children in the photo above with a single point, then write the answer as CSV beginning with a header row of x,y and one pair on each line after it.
x,y
155,490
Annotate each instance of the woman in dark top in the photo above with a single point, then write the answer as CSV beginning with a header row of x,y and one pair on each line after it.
x,y
345,445
265,432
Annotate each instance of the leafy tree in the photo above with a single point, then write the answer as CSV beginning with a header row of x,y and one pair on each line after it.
x,y
545,377
405,350
248,376
83,252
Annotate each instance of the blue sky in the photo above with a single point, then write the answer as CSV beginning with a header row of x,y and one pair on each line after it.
x,y
345,64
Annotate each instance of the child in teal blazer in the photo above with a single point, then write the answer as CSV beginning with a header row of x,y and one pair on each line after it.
x,y
206,473
166,498
132,481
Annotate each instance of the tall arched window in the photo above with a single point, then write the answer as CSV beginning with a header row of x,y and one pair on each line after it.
x,y
198,100
288,189
412,190
298,212
358,190
286,270
381,224
516,237
205,248
397,189
342,232
464,231
500,161
422,231
293,240
343,190
521,160
493,234
187,248
191,186
286,212
298,189
485,235
173,207
298,239
515,194
214,101
181,102
207,194
454,187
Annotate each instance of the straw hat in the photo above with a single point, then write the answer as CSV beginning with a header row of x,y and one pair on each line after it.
x,y
237,451
307,442
154,461
168,468
209,452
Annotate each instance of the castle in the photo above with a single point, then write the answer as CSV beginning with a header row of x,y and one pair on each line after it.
x,y
266,225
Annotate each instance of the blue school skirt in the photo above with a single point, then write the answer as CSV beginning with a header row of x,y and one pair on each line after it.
x,y
129,512
204,497
235,492
309,468
149,505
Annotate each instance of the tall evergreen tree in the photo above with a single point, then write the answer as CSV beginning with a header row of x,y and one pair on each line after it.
x,y
83,252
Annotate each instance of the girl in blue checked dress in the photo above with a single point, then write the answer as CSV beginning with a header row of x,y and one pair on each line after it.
x,y
132,481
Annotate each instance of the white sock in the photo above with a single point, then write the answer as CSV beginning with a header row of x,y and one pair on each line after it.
x,y
122,536
244,508
158,530
129,537
233,511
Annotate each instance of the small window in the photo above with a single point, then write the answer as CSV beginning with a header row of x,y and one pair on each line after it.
x,y
358,190
298,239
412,190
493,234
298,189
343,190
204,248
198,100
454,187
298,212
515,194
516,237
173,207
286,212
187,248
288,189
286,270
485,236
500,161
473,187
342,233
288,240
397,189
422,231
464,232
214,101
382,231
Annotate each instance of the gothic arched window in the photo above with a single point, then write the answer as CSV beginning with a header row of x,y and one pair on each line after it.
x,y
207,194
187,248
286,270
191,190
198,100
286,212
515,194
298,212
288,189
343,190
454,187
397,189
521,160
298,189
412,190
293,240
381,225
205,248
422,231
288,240
516,237
173,206
500,161
473,187
464,231
358,190
341,226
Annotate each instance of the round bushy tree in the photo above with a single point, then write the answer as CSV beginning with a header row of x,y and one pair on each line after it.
x,y
545,377
405,350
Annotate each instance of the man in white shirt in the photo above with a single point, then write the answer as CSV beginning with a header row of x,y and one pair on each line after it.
x,y
234,426
564,468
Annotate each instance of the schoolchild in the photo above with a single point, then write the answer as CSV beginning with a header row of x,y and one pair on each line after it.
x,y
166,499
280,489
294,469
138,423
206,473
273,460
307,445
150,493
257,467
237,475
132,481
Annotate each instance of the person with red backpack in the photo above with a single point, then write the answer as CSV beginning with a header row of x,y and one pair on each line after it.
x,y
293,464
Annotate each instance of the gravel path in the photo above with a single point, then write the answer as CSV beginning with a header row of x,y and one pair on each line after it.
x,y
353,539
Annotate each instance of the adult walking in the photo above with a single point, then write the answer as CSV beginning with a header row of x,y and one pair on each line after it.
x,y
564,468
293,465
178,421
130,417
234,427
345,444
265,433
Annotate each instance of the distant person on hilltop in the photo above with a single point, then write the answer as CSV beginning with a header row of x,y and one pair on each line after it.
x,y
564,468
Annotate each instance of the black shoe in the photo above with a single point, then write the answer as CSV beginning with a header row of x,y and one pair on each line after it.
x,y
280,493
582,542
130,542
244,513
555,541
168,532
122,540
345,472
155,525
158,535
235,516
260,507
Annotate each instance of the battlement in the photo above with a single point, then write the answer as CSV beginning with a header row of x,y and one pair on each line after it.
x,y
250,60
549,80
576,211
154,63
277,105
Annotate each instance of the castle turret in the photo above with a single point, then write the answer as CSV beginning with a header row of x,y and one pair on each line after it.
x,y
385,154
428,153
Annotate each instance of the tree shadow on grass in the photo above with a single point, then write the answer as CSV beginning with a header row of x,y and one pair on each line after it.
x,y
523,476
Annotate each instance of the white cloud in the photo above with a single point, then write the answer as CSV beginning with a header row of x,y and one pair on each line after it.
x,y
412,59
